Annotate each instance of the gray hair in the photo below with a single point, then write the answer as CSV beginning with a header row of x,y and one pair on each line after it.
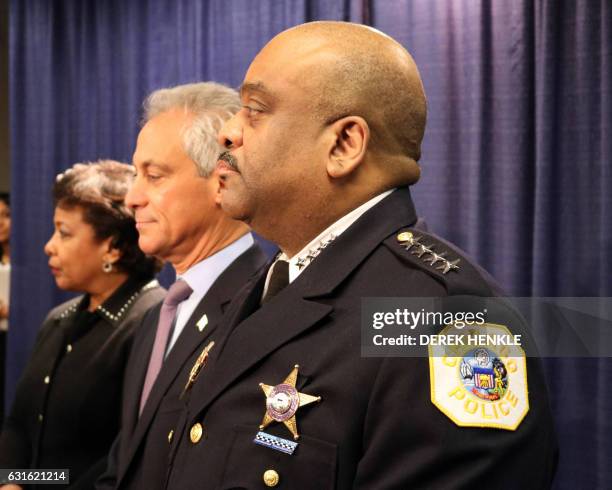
x,y
103,183
211,104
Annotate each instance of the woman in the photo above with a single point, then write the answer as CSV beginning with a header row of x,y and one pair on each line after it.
x,y
67,405
5,228
5,277
5,257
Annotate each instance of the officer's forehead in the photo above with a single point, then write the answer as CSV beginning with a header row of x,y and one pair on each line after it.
x,y
282,66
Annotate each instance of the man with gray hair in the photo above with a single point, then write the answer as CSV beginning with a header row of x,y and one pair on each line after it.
x,y
176,202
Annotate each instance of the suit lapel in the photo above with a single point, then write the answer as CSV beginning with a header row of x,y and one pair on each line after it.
x,y
189,340
138,369
209,311
213,305
282,319
247,300
245,303
295,310
354,246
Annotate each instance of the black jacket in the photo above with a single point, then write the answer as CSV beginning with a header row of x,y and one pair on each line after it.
x,y
376,426
139,456
67,404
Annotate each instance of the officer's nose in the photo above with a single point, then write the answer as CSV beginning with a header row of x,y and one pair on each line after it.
x,y
230,136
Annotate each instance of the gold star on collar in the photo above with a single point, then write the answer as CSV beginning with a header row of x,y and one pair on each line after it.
x,y
283,401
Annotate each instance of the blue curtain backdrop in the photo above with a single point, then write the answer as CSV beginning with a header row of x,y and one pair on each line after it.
x,y
516,162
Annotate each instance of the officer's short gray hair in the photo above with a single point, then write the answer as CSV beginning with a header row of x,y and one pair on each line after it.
x,y
211,104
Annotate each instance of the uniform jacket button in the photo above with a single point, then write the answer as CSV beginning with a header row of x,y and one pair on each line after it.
x,y
271,478
195,434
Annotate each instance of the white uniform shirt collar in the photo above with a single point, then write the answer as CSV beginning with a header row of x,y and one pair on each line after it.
x,y
300,261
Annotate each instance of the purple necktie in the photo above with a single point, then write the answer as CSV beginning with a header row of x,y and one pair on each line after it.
x,y
178,292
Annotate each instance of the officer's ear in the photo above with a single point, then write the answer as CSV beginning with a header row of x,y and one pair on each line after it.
x,y
349,138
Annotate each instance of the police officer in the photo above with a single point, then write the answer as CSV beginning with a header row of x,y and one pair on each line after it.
x,y
320,159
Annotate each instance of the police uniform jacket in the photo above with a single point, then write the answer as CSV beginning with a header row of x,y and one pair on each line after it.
x,y
375,426
67,404
139,456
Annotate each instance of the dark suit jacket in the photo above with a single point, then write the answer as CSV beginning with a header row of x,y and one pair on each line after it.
x,y
376,426
139,456
67,405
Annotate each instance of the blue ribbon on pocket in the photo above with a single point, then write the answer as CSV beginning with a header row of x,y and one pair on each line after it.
x,y
273,442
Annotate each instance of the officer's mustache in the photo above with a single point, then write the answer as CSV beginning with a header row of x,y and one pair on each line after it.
x,y
229,159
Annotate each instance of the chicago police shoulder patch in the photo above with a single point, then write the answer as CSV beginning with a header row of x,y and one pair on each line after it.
x,y
480,385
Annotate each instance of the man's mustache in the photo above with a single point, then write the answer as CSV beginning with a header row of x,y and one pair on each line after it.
x,y
228,158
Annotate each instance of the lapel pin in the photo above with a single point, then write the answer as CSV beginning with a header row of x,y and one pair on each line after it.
x,y
202,322
283,401
197,367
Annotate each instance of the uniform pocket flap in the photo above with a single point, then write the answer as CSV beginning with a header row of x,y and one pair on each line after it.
x,y
249,465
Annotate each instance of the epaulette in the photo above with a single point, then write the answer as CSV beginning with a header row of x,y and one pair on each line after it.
x,y
428,251
441,260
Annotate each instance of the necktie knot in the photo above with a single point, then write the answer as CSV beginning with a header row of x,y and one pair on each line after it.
x,y
279,279
179,291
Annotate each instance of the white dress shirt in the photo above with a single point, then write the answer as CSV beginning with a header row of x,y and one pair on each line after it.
x,y
201,277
